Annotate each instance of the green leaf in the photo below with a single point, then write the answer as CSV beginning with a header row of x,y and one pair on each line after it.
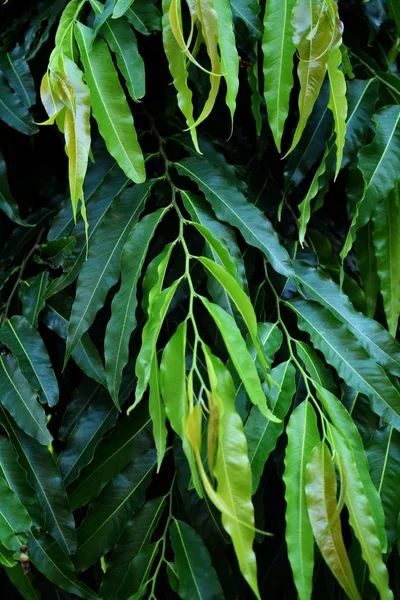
x,y
197,577
121,6
315,366
14,474
15,69
394,12
240,357
337,103
49,558
351,361
107,515
109,105
7,202
228,53
122,41
44,477
178,69
322,511
278,49
144,17
383,452
157,412
303,436
28,348
129,438
123,309
173,391
370,334
232,470
118,580
85,353
361,519
21,401
7,558
12,110
345,424
15,522
377,162
386,220
366,262
99,418
139,575
101,270
157,313
230,205
23,583
361,98
32,297
261,433
248,11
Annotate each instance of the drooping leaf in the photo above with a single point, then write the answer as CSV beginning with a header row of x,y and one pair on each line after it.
x,y
107,515
197,577
261,433
157,412
32,297
278,49
28,348
322,511
13,111
315,366
101,270
303,436
123,308
228,52
109,105
121,6
23,583
366,262
386,223
230,205
118,580
21,401
16,70
15,522
7,202
44,477
337,103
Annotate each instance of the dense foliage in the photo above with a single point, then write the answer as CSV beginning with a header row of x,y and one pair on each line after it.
x,y
200,296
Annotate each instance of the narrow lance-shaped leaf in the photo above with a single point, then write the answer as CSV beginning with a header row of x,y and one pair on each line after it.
x,y
109,105
21,401
228,52
7,202
377,162
386,228
261,433
101,270
366,262
157,412
322,511
351,361
44,477
121,6
337,103
383,452
232,470
303,436
23,583
361,519
197,577
12,110
15,68
15,522
107,515
32,297
278,49
123,308
28,348
316,367
230,205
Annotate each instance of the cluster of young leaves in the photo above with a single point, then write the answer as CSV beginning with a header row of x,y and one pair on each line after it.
x,y
198,363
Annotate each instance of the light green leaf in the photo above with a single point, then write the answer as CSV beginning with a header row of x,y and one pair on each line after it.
x,y
232,470
361,519
49,558
20,400
322,511
386,228
197,577
261,433
303,436
337,103
240,357
109,105
123,309
383,452
121,6
118,580
394,12
44,477
353,364
28,348
377,162
228,53
278,49
101,270
32,297
230,205
107,515
157,412
315,366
